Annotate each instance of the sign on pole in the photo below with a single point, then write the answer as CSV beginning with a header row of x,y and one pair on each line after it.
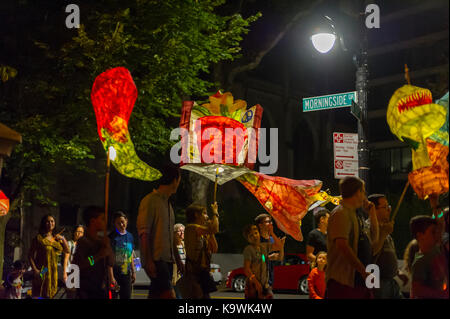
x,y
332,101
345,148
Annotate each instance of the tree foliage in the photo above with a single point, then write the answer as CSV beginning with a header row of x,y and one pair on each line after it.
x,y
168,46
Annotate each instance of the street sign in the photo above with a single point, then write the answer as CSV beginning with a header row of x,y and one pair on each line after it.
x,y
355,109
333,101
345,148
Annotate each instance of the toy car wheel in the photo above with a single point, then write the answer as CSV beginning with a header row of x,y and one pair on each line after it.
x,y
238,284
303,286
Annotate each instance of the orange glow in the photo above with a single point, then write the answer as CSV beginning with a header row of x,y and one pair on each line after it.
x,y
432,179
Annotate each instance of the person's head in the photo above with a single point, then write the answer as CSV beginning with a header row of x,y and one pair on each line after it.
x,y
353,191
382,206
178,230
47,224
94,217
20,266
120,220
196,214
424,229
251,233
321,216
78,232
170,179
321,260
264,223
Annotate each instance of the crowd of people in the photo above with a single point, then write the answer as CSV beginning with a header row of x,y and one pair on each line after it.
x,y
354,242
177,257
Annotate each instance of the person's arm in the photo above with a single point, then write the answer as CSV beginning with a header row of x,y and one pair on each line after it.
x,y
65,265
277,244
344,249
251,276
32,256
64,243
281,255
147,220
147,255
311,281
374,227
385,230
213,226
178,261
112,281
84,261
310,253
133,268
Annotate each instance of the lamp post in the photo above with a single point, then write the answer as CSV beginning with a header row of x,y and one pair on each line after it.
x,y
362,72
323,41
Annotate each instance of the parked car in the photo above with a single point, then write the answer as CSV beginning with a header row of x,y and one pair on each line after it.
x,y
291,274
143,280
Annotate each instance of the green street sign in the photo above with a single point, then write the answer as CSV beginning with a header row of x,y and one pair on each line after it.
x,y
355,110
332,101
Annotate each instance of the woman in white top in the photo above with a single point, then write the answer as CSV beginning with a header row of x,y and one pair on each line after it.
x,y
77,234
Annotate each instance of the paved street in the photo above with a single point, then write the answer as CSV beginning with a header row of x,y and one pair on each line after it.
x,y
223,293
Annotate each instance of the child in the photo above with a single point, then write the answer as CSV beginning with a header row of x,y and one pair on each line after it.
x,y
430,269
94,257
14,281
122,243
316,278
256,256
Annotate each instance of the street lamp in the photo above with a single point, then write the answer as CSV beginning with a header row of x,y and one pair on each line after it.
x,y
324,36
323,40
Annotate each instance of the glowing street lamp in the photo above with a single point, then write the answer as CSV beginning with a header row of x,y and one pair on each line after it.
x,y
323,41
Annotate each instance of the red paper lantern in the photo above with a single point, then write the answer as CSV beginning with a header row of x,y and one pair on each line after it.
x,y
113,95
4,204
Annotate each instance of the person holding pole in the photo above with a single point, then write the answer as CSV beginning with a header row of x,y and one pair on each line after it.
x,y
155,223
200,244
384,252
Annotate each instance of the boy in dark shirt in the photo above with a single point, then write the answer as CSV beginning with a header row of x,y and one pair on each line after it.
x,y
317,238
94,257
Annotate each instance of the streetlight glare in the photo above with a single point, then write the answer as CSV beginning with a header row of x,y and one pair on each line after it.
x,y
323,42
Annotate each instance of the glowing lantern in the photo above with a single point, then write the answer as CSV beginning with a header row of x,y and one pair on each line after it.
x,y
412,116
415,119
113,96
432,179
211,152
220,135
4,204
287,200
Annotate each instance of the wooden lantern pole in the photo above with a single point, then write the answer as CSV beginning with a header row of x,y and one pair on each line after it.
x,y
215,184
407,77
108,165
400,201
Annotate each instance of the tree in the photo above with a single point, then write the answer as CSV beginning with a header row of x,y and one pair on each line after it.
x,y
168,46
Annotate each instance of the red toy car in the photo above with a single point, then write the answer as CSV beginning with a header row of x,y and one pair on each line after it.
x,y
291,274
